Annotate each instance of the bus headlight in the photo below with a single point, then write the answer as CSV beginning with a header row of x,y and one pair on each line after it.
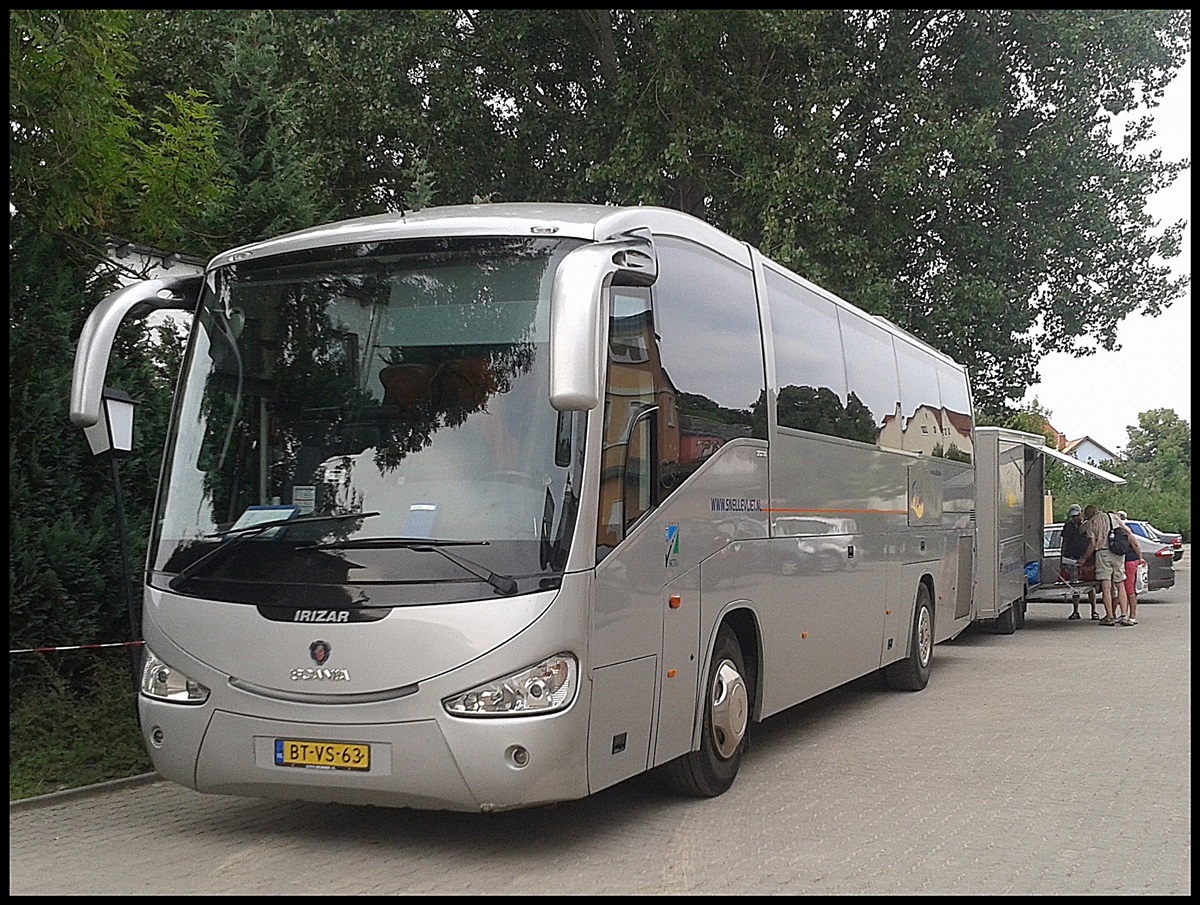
x,y
544,688
163,683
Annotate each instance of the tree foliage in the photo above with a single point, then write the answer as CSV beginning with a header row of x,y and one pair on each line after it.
x,y
83,163
1158,470
1160,450
961,172
1032,418
83,160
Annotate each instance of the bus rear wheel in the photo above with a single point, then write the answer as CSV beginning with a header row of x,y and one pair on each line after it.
x,y
710,771
912,673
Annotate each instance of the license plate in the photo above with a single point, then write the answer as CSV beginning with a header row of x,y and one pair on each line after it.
x,y
322,755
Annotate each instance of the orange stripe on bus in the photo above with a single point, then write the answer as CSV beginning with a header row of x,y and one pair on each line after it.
x,y
879,511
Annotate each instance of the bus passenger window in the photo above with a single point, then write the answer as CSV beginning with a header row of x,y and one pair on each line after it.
x,y
920,401
810,371
956,412
706,313
872,383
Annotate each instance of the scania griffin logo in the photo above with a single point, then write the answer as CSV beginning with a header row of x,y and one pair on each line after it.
x,y
319,651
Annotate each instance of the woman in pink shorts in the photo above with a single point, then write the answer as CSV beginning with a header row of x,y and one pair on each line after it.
x,y
1132,558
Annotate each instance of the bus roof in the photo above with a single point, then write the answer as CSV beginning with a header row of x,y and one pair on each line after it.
x,y
592,222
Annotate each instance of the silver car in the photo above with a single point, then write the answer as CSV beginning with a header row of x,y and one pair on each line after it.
x,y
1146,530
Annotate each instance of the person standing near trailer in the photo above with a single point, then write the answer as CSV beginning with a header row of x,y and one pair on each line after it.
x,y
1110,567
1074,546
1132,557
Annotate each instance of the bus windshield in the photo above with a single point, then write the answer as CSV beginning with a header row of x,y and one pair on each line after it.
x,y
371,423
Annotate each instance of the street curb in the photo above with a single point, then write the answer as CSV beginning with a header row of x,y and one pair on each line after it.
x,y
39,801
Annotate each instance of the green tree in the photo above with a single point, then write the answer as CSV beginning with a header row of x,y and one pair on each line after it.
x,y
1160,450
1159,463
1156,467
324,114
84,164
944,168
1032,418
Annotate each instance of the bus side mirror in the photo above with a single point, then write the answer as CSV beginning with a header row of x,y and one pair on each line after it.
x,y
577,313
96,340
112,435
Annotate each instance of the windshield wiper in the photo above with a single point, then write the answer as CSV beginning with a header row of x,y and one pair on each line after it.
x,y
288,522
504,584
237,535
396,543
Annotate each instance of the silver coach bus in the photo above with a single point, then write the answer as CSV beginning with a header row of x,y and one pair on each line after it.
x,y
481,507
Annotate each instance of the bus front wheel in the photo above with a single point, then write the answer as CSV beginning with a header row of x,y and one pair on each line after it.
x,y
912,673
711,770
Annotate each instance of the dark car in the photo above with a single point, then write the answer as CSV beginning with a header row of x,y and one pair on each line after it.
x,y
1145,529
1159,559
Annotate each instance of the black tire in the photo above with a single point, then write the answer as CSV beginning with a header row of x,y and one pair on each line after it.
x,y
912,673
1019,616
1006,622
710,771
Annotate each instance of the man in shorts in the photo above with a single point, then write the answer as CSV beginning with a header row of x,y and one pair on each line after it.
x,y
1074,545
1110,567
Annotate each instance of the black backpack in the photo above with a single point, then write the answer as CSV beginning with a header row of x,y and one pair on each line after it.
x,y
1118,539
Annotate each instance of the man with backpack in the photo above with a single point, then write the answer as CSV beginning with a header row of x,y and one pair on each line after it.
x,y
1104,529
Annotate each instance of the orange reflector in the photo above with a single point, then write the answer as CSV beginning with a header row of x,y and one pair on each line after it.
x,y
670,673
674,601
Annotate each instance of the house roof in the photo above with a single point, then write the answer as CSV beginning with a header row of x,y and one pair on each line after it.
x,y
1061,437
1073,445
959,421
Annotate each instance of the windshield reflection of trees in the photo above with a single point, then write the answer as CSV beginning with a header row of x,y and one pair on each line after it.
x,y
425,388
305,373
304,377
429,390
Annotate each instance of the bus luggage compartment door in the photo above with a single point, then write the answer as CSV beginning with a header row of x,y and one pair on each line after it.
x,y
680,668
619,735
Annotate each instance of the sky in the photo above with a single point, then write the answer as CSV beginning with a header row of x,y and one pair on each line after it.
x,y
1156,350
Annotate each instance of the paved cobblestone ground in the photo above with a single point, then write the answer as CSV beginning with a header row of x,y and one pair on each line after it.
x,y
1055,761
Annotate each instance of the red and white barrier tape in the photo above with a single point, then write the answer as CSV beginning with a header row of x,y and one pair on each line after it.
x,y
44,650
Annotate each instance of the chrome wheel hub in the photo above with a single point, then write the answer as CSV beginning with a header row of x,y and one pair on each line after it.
x,y
730,709
924,636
